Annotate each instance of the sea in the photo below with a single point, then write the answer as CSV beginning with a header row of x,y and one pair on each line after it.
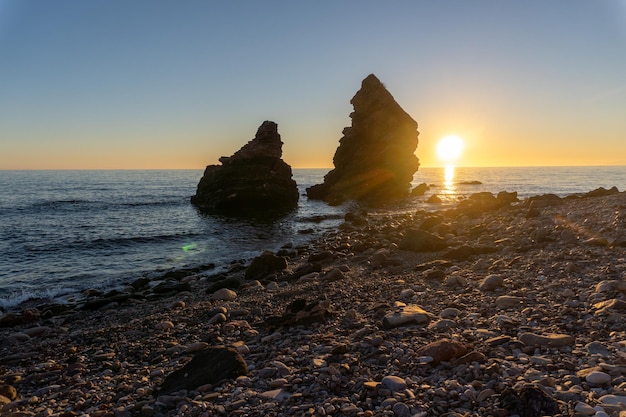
x,y
62,232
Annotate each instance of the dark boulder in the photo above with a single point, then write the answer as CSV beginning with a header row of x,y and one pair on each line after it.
x,y
300,312
417,240
264,265
529,401
434,199
479,203
375,160
544,200
209,366
601,192
420,189
306,269
171,286
14,319
254,180
443,350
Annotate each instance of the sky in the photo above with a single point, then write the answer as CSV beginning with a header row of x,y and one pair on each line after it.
x,y
164,84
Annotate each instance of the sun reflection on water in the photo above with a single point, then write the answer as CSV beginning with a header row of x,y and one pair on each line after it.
x,y
448,180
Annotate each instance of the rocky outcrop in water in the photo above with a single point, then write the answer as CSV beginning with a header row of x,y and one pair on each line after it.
x,y
375,160
254,180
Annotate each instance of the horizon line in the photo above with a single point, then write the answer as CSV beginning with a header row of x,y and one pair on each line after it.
x,y
321,167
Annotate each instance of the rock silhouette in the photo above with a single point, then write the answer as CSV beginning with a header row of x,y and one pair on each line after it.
x,y
375,160
254,180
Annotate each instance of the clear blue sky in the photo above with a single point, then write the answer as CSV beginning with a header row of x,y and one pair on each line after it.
x,y
177,84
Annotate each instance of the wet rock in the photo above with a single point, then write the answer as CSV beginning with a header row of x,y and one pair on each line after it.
x,y
264,265
232,282
417,240
443,350
207,367
254,180
171,286
375,160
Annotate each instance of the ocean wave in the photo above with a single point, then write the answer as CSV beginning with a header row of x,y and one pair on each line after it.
x,y
164,203
60,203
107,243
44,295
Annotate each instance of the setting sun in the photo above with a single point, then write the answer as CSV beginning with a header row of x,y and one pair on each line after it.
x,y
450,148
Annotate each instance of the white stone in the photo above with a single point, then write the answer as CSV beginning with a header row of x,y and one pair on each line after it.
x,y
410,314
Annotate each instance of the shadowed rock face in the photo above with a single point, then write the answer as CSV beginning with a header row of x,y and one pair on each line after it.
x,y
375,160
253,180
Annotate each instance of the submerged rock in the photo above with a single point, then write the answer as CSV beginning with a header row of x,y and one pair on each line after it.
x,y
253,179
375,159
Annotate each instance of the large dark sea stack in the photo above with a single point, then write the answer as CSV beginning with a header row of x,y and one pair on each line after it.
x,y
375,160
254,180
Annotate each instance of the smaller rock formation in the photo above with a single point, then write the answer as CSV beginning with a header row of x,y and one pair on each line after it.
x,y
254,180
375,160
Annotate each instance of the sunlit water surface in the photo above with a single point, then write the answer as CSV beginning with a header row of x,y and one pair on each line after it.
x,y
64,231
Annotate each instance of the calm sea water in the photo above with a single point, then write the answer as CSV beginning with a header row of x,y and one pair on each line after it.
x,y
64,231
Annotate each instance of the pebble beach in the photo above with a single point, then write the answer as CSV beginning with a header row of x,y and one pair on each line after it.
x,y
499,310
